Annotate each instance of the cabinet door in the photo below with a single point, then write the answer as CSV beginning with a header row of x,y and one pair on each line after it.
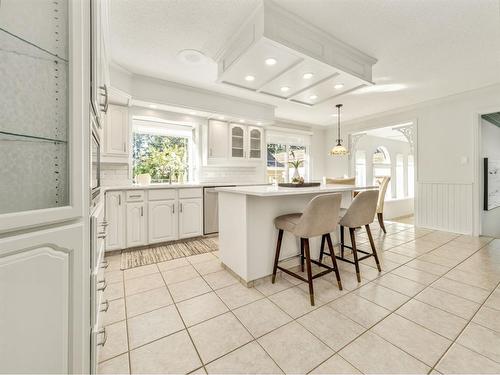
x,y
162,223
116,131
255,137
190,217
237,141
136,224
114,217
217,139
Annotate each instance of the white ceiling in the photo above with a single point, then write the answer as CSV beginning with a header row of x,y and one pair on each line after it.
x,y
426,49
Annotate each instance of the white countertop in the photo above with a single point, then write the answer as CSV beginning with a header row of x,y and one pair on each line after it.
x,y
177,185
272,191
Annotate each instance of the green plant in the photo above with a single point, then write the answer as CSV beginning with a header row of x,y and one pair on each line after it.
x,y
296,163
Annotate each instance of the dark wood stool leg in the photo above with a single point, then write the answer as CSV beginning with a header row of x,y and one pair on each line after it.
x,y
355,253
277,256
309,271
341,241
372,244
322,249
302,254
334,260
380,217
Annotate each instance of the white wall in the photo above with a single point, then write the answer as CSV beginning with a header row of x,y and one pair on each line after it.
x,y
490,148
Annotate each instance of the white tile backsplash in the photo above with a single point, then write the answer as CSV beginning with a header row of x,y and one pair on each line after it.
x,y
242,174
115,174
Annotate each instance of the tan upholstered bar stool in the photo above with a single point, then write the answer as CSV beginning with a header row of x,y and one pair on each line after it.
x,y
383,184
320,218
360,213
341,181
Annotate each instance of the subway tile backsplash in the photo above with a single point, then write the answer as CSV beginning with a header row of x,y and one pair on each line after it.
x,y
115,174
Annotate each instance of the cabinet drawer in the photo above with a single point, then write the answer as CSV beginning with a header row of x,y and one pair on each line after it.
x,y
190,193
134,195
162,194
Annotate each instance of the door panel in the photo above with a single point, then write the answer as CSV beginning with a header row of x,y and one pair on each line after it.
x,y
190,218
114,217
136,224
162,221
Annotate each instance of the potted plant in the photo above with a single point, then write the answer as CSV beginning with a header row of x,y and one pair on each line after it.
x,y
296,164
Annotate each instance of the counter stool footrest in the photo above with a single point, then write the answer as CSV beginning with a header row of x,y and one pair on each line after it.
x,y
293,274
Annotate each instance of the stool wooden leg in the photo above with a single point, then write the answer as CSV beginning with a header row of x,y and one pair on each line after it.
x,y
380,217
341,241
302,254
372,244
334,260
322,249
277,256
355,253
309,271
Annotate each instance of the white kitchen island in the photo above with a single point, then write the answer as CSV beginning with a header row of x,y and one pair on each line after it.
x,y
247,236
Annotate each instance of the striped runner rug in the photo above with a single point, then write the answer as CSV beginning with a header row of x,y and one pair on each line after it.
x,y
150,255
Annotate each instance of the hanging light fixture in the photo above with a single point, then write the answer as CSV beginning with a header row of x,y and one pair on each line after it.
x,y
339,149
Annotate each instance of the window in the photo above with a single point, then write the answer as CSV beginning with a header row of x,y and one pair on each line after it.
x,y
382,167
284,161
360,167
162,150
411,176
400,176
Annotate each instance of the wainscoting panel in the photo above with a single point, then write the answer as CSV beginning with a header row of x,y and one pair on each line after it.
x,y
446,207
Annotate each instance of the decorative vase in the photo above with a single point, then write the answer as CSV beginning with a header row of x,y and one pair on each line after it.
x,y
296,174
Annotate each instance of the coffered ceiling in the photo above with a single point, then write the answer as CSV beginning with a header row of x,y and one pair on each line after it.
x,y
424,50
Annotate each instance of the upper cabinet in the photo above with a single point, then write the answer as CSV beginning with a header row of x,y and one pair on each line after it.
x,y
116,135
234,143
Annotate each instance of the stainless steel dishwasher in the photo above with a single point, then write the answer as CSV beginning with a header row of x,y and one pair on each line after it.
x,y
211,209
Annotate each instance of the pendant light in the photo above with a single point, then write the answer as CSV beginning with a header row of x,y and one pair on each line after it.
x,y
339,149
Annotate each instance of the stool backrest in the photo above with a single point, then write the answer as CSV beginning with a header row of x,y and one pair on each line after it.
x,y
362,210
383,184
341,181
321,216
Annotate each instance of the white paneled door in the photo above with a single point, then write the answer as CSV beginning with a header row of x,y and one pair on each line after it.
x,y
136,224
162,221
190,217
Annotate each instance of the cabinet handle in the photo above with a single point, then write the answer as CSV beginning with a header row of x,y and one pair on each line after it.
x,y
102,332
101,235
142,211
104,107
106,303
104,264
173,208
210,152
104,223
180,207
135,196
103,287
120,200
124,147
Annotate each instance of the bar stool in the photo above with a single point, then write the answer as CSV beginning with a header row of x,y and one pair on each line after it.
x,y
320,218
360,213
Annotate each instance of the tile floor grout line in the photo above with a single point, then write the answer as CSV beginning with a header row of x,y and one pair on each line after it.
x,y
126,326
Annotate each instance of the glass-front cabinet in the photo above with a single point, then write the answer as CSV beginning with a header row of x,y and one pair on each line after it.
x,y
237,139
245,142
255,143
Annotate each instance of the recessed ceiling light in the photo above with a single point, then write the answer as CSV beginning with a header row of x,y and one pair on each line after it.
x,y
285,89
334,115
259,123
307,75
338,86
192,113
249,78
241,120
221,117
313,97
270,61
152,106
381,88
191,57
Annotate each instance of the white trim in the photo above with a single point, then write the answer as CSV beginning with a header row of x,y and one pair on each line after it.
x,y
280,129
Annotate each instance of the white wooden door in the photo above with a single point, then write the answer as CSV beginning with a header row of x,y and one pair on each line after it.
x,y
162,223
255,143
116,131
190,217
238,143
136,224
115,213
217,139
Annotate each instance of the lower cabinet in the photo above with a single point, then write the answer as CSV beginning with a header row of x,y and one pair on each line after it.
x,y
115,217
136,224
190,217
162,223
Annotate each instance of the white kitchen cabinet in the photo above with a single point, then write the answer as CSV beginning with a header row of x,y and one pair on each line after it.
x,y
217,140
115,217
255,143
162,223
116,133
237,139
190,217
136,224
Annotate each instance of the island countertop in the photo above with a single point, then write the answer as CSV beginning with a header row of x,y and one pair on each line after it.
x,y
272,191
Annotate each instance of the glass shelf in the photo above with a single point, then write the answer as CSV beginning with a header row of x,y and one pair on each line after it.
x,y
7,136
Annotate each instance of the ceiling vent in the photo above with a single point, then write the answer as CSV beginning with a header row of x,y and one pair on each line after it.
x,y
291,59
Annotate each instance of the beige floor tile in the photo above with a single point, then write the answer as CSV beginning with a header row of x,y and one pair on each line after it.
x,y
295,349
266,287
333,328
172,264
373,355
493,300
249,359
210,266
457,288
418,276
177,275
153,325
113,291
117,365
335,365
488,317
200,258
148,301
113,276
439,260
220,279
448,302
261,316
294,302
480,279
460,360
115,312
174,354
360,310
324,290
144,283
218,336
382,296
188,289
114,262
237,295
481,340
428,267
395,257
421,343
400,284
437,320
116,342
201,308
133,273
